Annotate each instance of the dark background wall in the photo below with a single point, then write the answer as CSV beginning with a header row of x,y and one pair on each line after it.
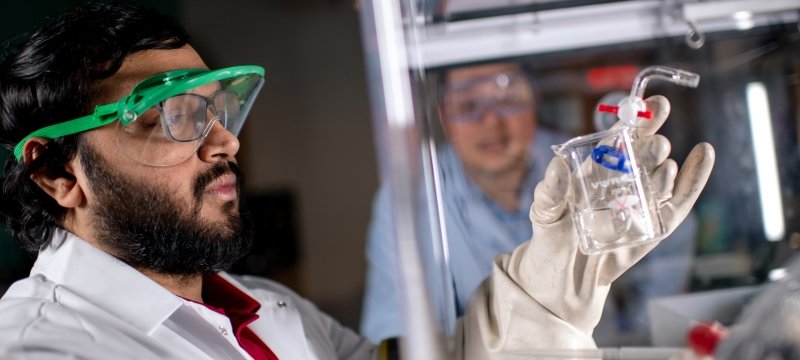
x,y
310,131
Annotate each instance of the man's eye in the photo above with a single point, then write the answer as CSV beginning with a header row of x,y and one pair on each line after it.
x,y
466,106
143,126
175,119
147,123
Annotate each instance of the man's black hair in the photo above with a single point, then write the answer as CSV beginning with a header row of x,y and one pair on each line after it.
x,y
51,76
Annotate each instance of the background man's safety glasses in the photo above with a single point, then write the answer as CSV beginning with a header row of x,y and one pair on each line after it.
x,y
506,93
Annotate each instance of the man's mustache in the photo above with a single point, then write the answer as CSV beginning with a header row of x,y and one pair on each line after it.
x,y
219,169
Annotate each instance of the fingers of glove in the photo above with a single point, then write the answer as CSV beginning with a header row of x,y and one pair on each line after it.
x,y
659,107
690,181
652,151
549,203
617,262
662,179
687,185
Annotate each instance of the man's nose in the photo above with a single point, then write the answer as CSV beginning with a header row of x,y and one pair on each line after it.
x,y
220,144
491,115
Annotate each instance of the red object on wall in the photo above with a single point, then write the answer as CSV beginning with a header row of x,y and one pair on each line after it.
x,y
615,77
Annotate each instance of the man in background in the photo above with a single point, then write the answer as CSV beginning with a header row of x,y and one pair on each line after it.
x,y
494,154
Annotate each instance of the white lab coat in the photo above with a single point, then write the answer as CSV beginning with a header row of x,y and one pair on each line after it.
x,y
81,301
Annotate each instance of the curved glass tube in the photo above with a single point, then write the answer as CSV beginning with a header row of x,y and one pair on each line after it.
x,y
676,76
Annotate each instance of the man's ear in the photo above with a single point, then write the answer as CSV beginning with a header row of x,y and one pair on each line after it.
x,y
62,186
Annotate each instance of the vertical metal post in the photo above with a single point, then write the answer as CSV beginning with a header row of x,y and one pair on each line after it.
x,y
399,144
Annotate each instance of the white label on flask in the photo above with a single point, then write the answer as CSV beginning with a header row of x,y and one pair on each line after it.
x,y
619,180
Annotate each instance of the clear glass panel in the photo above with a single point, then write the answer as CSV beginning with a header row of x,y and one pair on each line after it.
x,y
740,228
414,256
579,55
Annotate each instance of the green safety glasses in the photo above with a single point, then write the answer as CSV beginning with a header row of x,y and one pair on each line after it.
x,y
166,117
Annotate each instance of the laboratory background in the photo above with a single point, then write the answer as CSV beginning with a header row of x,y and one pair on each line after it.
x,y
311,154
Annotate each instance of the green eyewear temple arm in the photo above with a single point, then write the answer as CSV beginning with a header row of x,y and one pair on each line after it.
x,y
103,115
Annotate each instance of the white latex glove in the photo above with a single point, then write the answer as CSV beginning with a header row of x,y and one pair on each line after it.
x,y
547,294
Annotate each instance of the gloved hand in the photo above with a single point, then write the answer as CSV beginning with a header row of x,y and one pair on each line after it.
x,y
547,294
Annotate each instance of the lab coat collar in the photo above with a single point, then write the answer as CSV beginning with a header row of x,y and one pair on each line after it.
x,y
280,323
106,281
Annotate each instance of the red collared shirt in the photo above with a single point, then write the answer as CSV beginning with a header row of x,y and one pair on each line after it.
x,y
225,299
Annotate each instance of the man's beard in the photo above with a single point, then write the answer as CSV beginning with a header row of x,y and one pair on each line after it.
x,y
147,228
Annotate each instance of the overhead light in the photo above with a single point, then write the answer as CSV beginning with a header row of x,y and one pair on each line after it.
x,y
742,15
710,10
769,187
744,20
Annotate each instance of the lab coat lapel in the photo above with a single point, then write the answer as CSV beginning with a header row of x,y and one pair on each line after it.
x,y
279,323
280,326
200,335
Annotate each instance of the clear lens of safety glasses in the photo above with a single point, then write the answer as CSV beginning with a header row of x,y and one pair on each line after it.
x,y
188,117
507,94
172,131
185,116
146,140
